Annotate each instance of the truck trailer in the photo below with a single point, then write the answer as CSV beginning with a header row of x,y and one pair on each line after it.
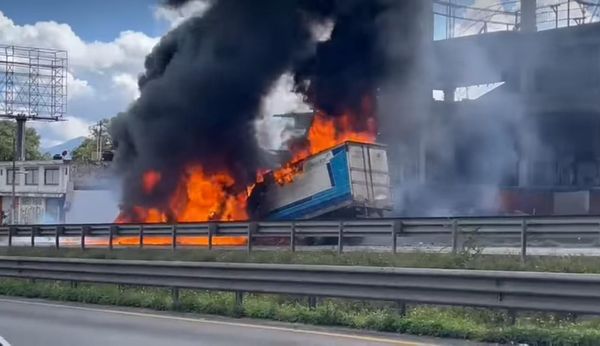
x,y
350,180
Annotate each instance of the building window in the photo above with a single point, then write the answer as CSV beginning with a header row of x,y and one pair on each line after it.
x,y
31,176
9,176
51,176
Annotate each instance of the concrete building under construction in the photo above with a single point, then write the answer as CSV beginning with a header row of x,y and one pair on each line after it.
x,y
548,95
529,144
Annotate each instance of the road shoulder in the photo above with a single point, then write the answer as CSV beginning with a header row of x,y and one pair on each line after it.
x,y
389,338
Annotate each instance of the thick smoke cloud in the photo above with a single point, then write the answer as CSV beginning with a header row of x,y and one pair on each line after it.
x,y
201,91
205,81
347,67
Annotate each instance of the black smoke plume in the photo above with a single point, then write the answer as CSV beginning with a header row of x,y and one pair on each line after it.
x,y
201,91
346,67
205,81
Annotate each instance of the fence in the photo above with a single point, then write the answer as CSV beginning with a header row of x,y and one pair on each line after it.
x,y
277,234
570,293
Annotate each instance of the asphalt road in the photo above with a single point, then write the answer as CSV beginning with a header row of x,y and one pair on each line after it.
x,y
33,323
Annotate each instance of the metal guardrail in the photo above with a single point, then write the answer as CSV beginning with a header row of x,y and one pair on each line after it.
x,y
455,229
570,293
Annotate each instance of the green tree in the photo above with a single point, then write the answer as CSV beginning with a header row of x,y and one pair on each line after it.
x,y
7,133
85,152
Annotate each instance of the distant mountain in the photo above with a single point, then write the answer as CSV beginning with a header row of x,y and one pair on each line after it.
x,y
69,146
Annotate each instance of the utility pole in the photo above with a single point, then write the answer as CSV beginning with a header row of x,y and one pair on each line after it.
x,y
99,141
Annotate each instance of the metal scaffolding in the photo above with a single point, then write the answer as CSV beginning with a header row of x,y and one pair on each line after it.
x,y
33,83
33,86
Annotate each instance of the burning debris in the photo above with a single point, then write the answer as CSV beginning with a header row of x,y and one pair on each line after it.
x,y
186,148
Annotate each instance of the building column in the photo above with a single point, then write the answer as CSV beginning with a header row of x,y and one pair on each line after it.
x,y
527,74
528,15
427,88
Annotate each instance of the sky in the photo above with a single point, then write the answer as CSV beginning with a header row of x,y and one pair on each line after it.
x,y
91,20
107,41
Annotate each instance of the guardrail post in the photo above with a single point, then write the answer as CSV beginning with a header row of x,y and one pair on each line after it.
x,y
58,230
112,229
512,317
397,227
454,236
141,238
11,231
401,308
312,302
212,229
239,301
524,241
293,237
341,237
173,236
84,231
175,298
34,230
252,227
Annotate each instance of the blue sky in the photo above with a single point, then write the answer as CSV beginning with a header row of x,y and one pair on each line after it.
x,y
107,41
91,19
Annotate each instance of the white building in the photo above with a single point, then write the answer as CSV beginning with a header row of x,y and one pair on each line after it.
x,y
58,192
41,188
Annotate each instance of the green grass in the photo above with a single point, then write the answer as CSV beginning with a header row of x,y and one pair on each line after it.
x,y
469,259
463,323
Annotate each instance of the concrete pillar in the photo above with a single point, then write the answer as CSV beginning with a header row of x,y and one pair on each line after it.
x,y
427,87
528,15
527,83
523,172
449,94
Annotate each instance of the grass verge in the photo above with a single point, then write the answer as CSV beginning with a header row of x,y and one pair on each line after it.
x,y
463,323
468,259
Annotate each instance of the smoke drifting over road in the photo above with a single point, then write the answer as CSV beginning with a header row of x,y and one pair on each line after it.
x,y
205,82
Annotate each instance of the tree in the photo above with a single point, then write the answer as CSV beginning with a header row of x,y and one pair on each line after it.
x,y
7,134
98,137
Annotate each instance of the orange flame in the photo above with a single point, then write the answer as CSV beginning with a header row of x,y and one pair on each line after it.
x,y
158,241
149,181
327,132
215,196
203,197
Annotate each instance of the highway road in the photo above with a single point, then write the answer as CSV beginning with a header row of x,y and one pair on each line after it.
x,y
34,322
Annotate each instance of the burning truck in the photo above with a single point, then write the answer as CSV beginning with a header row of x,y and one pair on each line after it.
x,y
346,181
187,148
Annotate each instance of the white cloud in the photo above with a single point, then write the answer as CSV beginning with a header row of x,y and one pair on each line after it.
x,y
78,88
175,16
127,85
101,79
126,53
57,132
